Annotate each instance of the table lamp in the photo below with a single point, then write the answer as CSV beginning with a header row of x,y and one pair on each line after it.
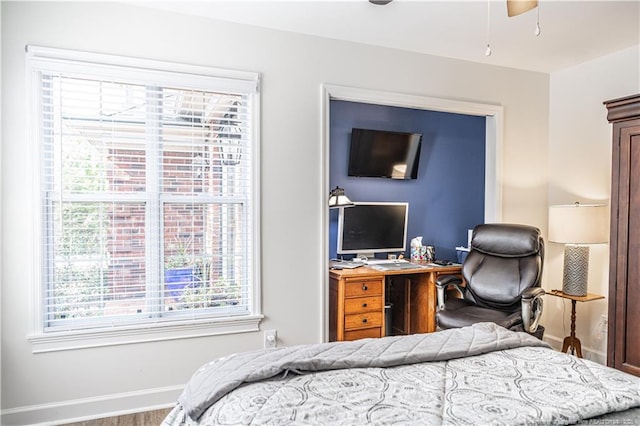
x,y
576,226
338,199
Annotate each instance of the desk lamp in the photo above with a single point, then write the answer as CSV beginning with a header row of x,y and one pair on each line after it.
x,y
337,199
575,226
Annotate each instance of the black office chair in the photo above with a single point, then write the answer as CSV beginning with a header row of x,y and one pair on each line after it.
x,y
502,274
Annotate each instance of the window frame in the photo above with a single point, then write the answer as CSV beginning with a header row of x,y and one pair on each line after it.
x,y
38,57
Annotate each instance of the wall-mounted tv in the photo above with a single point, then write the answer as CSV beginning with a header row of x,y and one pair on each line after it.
x,y
384,154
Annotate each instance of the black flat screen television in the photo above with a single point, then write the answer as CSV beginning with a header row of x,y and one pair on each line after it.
x,y
373,227
384,154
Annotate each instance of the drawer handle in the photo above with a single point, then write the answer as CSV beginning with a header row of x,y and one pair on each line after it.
x,y
364,305
364,287
364,320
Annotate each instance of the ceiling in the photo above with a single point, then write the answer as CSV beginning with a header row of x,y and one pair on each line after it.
x,y
572,31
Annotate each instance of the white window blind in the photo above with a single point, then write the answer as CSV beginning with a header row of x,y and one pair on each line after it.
x,y
147,191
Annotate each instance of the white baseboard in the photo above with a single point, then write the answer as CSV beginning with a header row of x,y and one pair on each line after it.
x,y
84,409
587,353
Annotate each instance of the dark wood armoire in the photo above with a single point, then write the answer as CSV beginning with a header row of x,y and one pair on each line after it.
x,y
623,347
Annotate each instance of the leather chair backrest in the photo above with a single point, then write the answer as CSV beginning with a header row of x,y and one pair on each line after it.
x,y
503,261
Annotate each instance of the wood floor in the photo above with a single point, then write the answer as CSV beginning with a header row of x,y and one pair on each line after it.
x,y
147,418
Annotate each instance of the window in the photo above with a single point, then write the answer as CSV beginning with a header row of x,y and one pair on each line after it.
x,y
147,195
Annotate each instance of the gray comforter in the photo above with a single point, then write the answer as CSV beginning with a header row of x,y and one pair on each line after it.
x,y
480,374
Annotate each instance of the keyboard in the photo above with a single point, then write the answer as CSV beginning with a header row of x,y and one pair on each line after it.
x,y
384,261
344,264
395,266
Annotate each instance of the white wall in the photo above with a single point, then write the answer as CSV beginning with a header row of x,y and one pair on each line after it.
x,y
48,386
580,170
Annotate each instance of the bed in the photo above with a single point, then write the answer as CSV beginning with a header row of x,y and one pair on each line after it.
x,y
483,374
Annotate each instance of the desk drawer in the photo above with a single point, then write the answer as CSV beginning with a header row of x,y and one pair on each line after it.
x,y
363,288
364,333
368,319
358,305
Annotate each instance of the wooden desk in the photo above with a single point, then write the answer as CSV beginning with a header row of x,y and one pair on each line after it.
x,y
571,342
357,299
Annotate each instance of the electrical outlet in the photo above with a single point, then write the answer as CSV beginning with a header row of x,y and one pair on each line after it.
x,y
270,339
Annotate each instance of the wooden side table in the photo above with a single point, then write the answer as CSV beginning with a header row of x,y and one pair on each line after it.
x,y
572,342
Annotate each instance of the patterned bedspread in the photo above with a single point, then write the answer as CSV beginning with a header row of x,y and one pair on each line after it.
x,y
483,374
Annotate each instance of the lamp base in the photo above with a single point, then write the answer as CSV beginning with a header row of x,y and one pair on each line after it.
x,y
576,270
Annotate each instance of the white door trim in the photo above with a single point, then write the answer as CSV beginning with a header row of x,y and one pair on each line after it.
x,y
493,158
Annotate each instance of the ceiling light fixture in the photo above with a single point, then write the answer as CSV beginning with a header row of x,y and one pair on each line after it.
x,y
487,52
518,7
514,8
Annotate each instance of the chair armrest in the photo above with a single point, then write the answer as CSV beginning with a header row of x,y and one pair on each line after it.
x,y
532,308
443,282
533,292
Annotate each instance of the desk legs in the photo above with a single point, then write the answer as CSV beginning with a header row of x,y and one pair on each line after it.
x,y
572,341
413,297
398,294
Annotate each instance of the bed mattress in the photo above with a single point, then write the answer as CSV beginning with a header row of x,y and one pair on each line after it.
x,y
482,374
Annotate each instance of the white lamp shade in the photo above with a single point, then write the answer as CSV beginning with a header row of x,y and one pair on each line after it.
x,y
579,224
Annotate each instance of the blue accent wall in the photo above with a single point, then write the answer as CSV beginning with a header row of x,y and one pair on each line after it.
x,y
448,197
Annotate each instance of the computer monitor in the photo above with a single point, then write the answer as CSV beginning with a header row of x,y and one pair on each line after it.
x,y
373,227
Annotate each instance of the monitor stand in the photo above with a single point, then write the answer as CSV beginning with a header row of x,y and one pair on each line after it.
x,y
364,257
369,259
378,261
